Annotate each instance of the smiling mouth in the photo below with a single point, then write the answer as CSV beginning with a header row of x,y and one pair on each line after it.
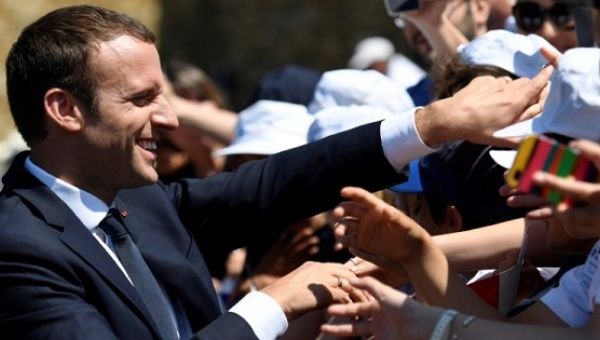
x,y
148,145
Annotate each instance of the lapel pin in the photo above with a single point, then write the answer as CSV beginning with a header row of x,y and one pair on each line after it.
x,y
124,213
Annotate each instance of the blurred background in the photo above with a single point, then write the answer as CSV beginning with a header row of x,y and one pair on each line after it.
x,y
234,41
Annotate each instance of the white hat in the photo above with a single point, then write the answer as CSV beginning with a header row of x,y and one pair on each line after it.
x,y
336,119
573,105
369,51
513,52
267,127
354,87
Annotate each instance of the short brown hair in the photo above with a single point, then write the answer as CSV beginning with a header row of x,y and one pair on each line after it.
x,y
449,78
54,51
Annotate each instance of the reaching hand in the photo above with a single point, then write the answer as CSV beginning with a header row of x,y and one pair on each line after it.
x,y
391,314
481,108
363,268
375,230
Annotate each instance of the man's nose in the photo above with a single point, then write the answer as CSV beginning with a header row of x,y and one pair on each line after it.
x,y
165,117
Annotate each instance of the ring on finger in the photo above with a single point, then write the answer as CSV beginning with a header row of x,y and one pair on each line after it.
x,y
339,282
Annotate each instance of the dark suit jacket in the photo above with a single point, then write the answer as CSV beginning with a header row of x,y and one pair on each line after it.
x,y
56,281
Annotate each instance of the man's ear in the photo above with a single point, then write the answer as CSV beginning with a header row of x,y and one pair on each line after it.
x,y
63,110
453,221
480,10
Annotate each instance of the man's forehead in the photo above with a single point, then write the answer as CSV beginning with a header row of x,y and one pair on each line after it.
x,y
125,53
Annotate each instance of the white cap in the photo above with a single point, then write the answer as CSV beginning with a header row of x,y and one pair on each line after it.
x,y
354,87
267,127
513,52
336,119
369,51
573,105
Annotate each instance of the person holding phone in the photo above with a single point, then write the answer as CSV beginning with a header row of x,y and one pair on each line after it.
x,y
575,300
390,239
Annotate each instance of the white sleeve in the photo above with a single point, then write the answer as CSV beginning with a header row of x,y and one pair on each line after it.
x,y
401,141
263,314
569,300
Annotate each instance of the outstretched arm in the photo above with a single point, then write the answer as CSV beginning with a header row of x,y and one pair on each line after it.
x,y
391,314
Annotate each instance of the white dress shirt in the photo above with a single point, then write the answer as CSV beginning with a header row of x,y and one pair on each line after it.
x,y
400,141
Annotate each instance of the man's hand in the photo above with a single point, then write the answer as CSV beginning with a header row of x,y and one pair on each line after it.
x,y
311,286
484,106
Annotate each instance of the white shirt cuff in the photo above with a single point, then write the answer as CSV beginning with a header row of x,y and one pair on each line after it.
x,y
263,314
401,141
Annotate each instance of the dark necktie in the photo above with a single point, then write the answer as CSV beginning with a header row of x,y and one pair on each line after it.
x,y
139,273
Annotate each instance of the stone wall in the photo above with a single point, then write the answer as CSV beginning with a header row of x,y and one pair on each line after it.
x,y
236,41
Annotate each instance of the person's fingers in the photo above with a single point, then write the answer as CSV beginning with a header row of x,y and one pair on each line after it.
x,y
507,191
347,329
588,149
345,232
348,209
531,111
371,257
359,309
361,196
376,289
579,190
580,223
552,55
362,267
525,201
540,81
540,213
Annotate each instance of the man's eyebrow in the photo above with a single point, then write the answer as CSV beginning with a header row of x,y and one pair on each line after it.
x,y
151,91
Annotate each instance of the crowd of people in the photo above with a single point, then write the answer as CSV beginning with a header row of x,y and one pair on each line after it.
x,y
367,202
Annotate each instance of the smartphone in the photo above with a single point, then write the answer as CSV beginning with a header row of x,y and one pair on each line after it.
x,y
395,7
541,153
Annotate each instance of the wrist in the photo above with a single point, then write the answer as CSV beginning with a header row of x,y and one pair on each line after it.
x,y
443,327
431,124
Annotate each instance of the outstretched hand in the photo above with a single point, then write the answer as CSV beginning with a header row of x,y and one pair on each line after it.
x,y
483,107
311,286
376,231
391,314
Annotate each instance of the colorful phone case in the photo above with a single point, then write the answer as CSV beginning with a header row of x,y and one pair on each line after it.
x,y
565,165
537,162
524,152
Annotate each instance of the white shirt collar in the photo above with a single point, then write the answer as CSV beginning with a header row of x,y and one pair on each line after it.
x,y
88,208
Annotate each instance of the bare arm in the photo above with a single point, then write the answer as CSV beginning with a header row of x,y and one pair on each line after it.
x,y
205,117
391,313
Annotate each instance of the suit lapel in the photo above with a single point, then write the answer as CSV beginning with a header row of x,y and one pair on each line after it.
x,y
165,252
80,240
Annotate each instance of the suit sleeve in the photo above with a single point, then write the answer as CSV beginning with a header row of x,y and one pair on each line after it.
x,y
227,326
261,196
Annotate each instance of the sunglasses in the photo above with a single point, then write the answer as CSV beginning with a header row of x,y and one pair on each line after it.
x,y
530,16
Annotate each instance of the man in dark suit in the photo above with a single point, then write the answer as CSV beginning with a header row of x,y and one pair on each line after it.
x,y
85,90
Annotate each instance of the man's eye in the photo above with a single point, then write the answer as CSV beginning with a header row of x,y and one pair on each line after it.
x,y
142,101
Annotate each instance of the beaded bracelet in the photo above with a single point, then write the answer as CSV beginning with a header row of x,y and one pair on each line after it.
x,y
443,324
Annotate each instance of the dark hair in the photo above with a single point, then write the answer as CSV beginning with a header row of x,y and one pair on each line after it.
x,y
190,82
54,51
463,174
449,78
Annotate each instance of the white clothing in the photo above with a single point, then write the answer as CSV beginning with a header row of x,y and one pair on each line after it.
x,y
578,293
